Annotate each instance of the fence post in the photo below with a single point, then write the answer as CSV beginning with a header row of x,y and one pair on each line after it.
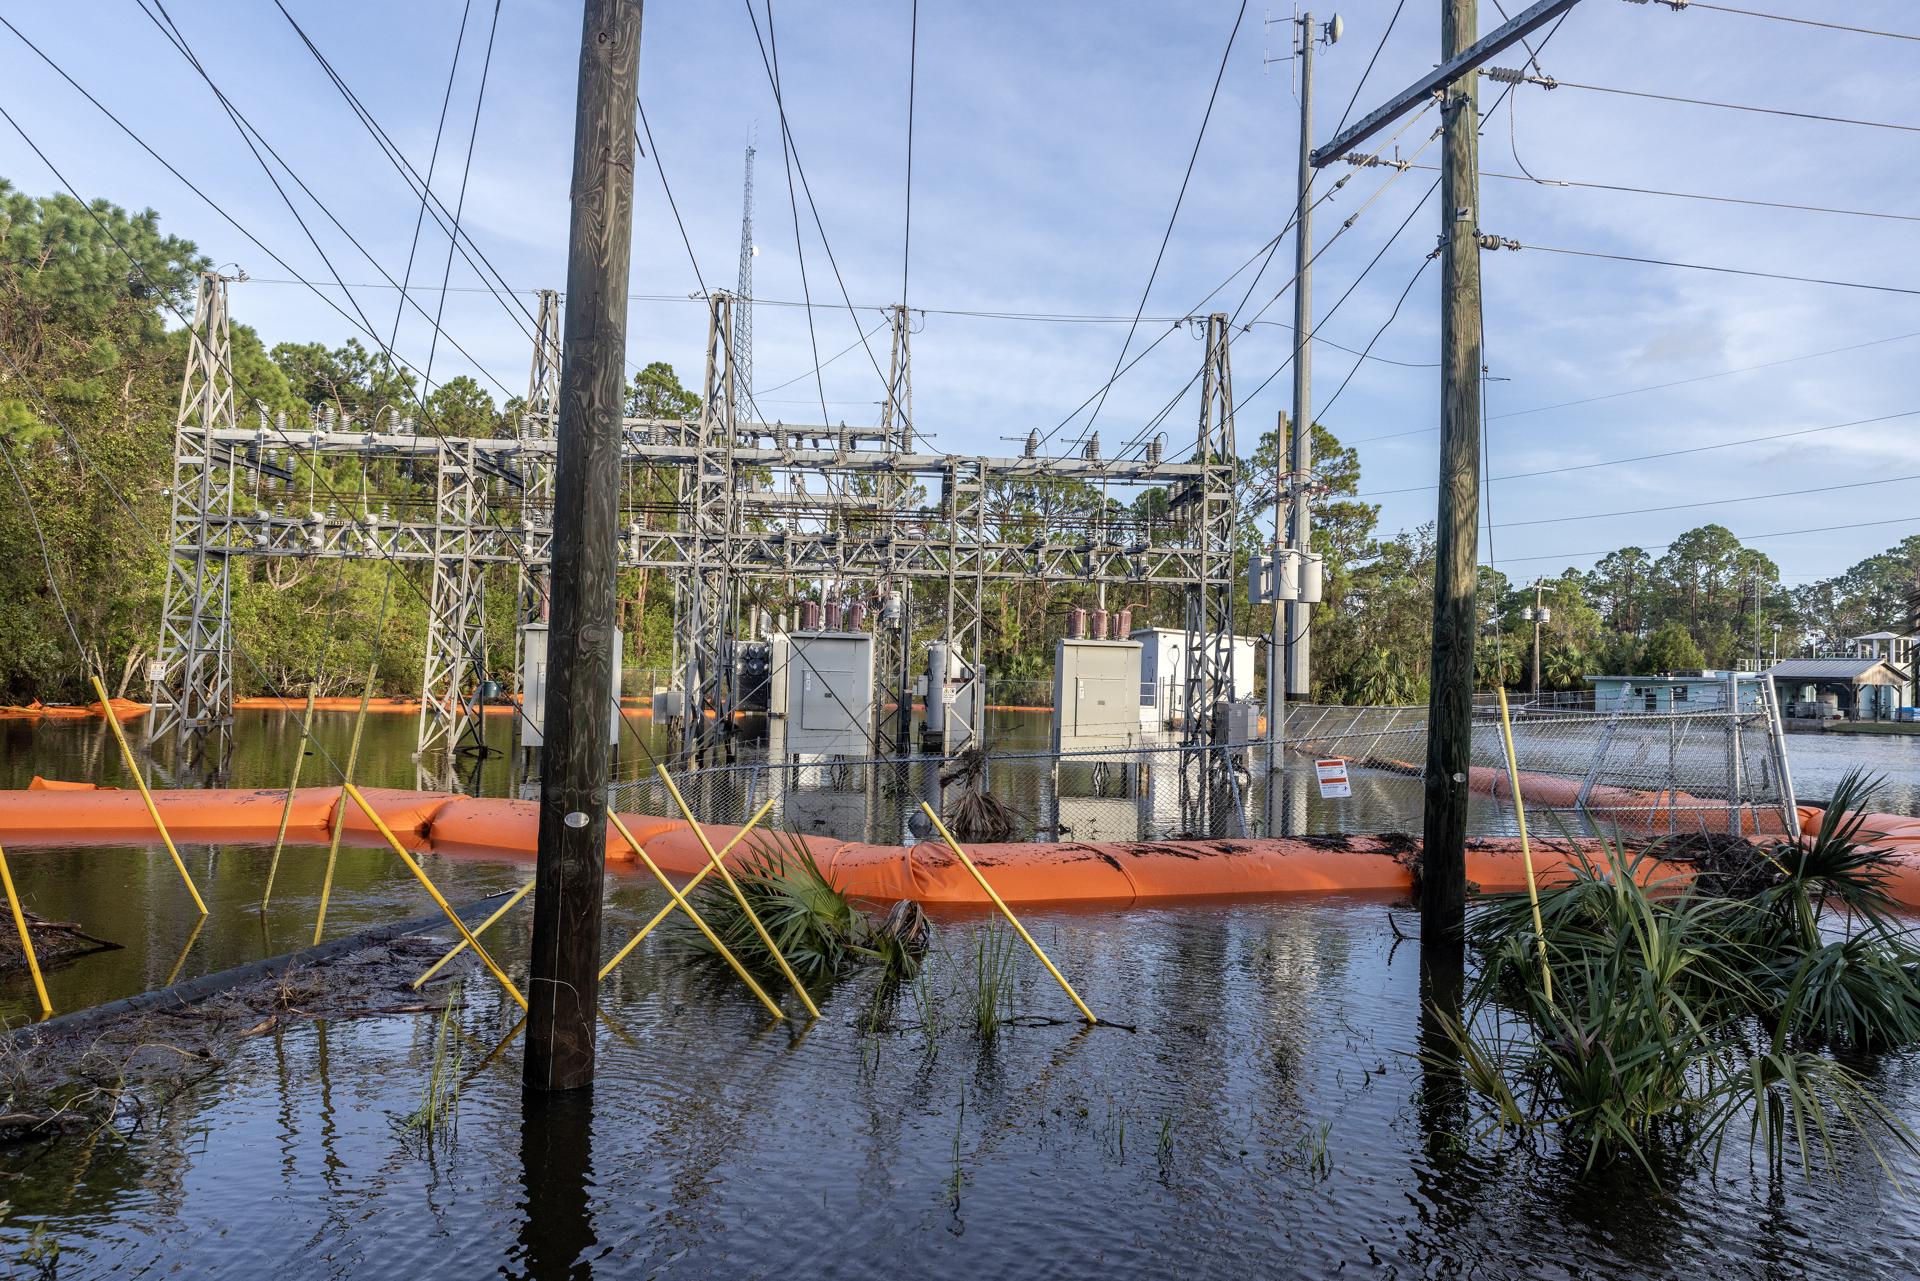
x,y
1736,788
1777,746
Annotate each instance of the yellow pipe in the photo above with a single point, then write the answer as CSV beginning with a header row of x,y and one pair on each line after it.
x,y
286,811
692,885
1007,912
340,808
738,894
1526,849
687,907
139,780
421,875
478,930
26,943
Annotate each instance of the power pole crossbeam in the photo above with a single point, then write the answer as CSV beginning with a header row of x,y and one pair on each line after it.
x,y
1450,70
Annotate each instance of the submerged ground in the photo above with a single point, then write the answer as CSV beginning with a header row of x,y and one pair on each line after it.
x,y
1266,1117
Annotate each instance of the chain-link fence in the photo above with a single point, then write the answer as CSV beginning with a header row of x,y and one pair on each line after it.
x,y
1721,765
1640,773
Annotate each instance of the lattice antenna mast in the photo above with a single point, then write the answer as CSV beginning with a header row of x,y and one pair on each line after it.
x,y
743,298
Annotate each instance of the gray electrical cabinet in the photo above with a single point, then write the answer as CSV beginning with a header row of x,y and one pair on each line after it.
x,y
1096,694
533,686
820,693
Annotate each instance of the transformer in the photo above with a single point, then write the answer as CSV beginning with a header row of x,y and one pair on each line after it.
x,y
820,693
1096,694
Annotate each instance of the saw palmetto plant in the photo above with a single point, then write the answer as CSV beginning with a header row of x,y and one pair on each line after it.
x,y
1687,1007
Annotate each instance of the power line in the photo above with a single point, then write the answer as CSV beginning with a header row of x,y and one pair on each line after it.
x,y
411,176
1548,82
828,361
1744,538
1369,70
770,60
1682,195
654,151
1729,271
1780,17
1398,303
1167,235
1668,453
1635,391
1714,502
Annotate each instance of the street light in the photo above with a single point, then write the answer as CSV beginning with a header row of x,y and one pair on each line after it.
x,y
1536,614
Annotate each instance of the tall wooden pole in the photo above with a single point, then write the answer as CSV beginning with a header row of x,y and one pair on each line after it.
x,y
573,794
1443,882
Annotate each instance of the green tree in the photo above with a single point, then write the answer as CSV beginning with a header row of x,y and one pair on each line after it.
x,y
1671,648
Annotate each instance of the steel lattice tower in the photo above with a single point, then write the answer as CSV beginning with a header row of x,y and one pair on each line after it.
x,y
743,299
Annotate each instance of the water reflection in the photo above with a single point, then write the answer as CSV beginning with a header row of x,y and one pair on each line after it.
x,y
556,1231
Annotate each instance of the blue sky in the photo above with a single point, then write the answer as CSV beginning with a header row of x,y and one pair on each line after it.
x,y
1050,140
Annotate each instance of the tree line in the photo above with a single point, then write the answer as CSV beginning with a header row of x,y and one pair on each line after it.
x,y
92,301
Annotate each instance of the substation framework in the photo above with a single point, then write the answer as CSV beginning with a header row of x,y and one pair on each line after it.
x,y
763,513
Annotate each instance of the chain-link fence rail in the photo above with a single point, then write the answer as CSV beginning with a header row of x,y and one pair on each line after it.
x,y
1714,768
1719,766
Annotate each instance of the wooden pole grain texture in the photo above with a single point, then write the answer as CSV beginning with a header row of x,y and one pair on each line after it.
x,y
1443,879
571,865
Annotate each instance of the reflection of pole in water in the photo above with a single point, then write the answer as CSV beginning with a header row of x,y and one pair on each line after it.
x,y
556,1179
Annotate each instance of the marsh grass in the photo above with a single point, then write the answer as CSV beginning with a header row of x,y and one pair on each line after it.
x,y
1685,1010
994,980
436,1120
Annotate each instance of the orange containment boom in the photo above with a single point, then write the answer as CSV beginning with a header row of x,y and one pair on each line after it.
x,y
1037,872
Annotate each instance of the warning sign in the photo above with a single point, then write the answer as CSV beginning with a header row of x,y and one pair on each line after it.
x,y
1333,778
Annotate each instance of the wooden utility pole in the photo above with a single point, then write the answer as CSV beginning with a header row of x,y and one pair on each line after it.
x,y
1443,871
573,795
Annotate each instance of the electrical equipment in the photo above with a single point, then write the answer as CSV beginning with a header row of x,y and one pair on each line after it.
x,y
533,687
820,692
1163,670
955,700
754,667
1096,694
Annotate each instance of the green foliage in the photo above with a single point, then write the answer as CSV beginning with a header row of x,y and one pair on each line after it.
x,y
1680,1010
1672,649
816,927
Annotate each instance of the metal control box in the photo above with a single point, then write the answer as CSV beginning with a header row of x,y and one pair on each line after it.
x,y
820,690
1096,694
1163,670
533,687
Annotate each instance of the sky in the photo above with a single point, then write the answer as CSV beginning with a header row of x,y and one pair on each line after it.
x,y
1049,146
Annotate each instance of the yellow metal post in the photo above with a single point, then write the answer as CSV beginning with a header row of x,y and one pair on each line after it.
x,y
340,809
739,895
681,902
421,876
26,943
293,785
139,780
1526,848
478,930
1007,912
691,886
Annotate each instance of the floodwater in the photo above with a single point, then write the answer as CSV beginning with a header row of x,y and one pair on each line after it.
x,y
1264,1117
